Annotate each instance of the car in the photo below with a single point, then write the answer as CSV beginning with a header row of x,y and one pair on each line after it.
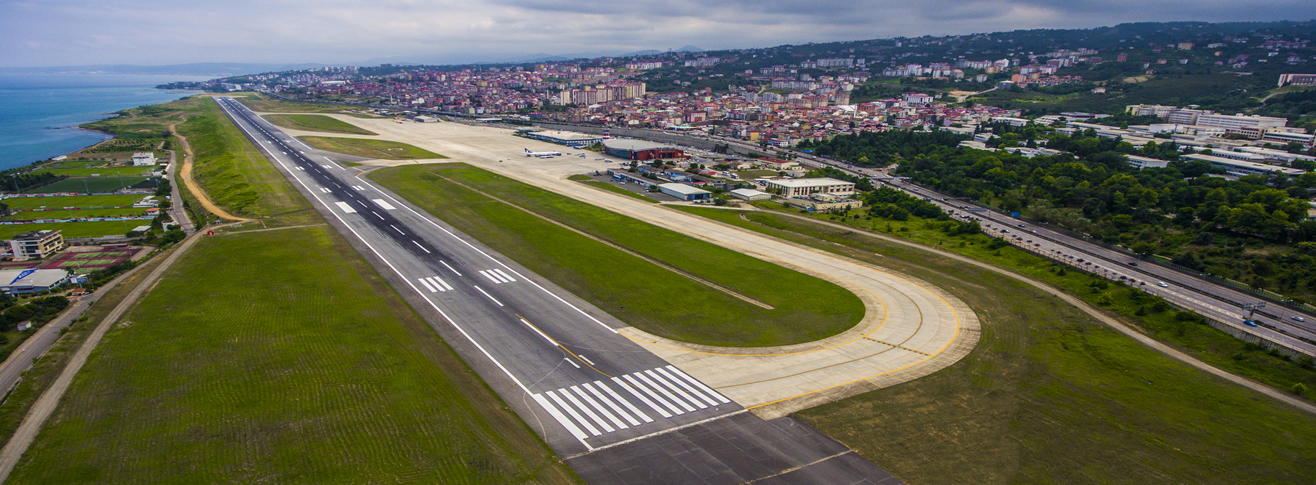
x,y
1131,263
1249,323
1298,318
1162,284
1080,260
1021,225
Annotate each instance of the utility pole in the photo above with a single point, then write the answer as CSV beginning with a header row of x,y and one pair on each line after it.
x,y
1253,307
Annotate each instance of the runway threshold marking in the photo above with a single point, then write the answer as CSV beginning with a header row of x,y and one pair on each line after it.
x,y
597,406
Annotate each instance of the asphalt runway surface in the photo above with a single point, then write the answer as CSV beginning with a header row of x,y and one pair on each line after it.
x,y
615,412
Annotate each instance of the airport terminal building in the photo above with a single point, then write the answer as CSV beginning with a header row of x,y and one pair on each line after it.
x,y
641,150
571,139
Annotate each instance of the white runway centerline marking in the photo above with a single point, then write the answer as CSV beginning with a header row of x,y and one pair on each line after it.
x,y
422,248
445,265
487,295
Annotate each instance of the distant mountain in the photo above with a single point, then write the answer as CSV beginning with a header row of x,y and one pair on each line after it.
x,y
689,48
216,69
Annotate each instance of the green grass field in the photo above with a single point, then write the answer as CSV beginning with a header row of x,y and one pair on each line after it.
x,y
638,292
1049,395
22,203
103,171
266,105
316,123
67,214
609,187
86,184
235,174
380,149
76,229
251,362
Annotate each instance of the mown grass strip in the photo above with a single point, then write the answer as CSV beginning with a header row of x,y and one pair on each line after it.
x,y
251,362
610,188
379,149
316,123
1049,395
638,292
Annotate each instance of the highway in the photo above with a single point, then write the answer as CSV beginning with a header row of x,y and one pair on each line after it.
x,y
1275,322
614,411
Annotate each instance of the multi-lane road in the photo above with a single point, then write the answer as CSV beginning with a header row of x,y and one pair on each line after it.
x,y
1285,326
616,412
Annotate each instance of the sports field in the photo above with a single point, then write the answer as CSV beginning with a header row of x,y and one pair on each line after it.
x,y
103,172
1048,395
640,292
380,149
90,184
316,123
72,214
251,362
76,229
24,203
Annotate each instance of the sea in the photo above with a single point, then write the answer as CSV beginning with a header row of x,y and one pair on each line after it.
x,y
39,113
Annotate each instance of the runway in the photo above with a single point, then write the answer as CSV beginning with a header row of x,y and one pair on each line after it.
x,y
616,412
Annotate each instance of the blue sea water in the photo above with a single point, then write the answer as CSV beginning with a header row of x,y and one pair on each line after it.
x,y
39,113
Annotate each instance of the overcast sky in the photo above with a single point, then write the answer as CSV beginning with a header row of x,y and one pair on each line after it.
x,y
152,32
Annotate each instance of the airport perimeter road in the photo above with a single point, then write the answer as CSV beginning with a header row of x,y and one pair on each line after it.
x,y
1276,323
615,412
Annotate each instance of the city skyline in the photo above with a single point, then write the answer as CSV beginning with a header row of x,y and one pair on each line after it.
x,y
68,33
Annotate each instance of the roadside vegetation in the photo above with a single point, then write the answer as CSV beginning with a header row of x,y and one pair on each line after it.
x,y
273,366
640,292
316,123
1050,394
378,149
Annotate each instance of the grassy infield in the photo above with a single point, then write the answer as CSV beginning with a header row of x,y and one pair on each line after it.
x,y
381,149
252,362
1049,394
316,123
640,293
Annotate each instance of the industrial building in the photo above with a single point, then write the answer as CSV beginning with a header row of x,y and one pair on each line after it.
x,y
568,138
36,244
641,150
28,281
685,192
802,187
750,194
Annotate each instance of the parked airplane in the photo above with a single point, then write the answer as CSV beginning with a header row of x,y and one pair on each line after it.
x,y
529,153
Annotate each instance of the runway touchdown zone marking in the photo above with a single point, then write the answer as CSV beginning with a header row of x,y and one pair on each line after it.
x,y
596,408
497,276
434,284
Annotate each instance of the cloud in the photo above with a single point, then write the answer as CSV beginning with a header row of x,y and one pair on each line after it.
x,y
72,32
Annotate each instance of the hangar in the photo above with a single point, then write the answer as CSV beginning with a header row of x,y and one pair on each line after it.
x,y
685,192
641,150
26,281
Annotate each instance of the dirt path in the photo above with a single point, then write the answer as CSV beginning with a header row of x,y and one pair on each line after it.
x,y
186,174
45,405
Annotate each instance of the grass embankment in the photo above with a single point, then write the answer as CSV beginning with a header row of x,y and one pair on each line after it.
x,y
380,149
1049,395
609,187
234,173
251,362
639,292
316,123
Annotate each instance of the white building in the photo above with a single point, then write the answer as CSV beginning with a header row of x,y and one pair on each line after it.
x,y
143,159
808,186
26,281
1238,168
1140,162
